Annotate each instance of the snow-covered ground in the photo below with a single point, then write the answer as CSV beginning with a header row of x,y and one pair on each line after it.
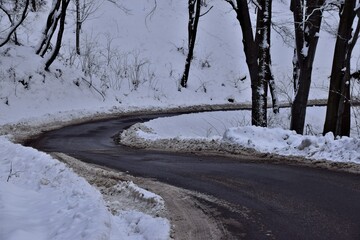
x,y
233,127
133,60
41,198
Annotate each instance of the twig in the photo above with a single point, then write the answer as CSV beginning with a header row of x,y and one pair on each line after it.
x,y
10,172
206,11
90,85
150,14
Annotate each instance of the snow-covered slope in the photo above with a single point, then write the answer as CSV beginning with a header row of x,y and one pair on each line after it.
x,y
136,57
132,58
40,198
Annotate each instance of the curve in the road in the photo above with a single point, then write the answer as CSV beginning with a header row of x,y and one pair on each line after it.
x,y
268,201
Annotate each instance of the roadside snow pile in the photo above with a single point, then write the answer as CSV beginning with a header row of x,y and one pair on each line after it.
x,y
40,198
227,131
128,196
286,142
207,125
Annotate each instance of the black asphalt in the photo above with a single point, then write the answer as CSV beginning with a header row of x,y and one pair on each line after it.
x,y
269,201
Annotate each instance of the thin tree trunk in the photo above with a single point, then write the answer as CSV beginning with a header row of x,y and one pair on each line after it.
x,y
15,25
194,15
33,5
274,95
50,33
56,50
51,24
296,72
307,29
78,27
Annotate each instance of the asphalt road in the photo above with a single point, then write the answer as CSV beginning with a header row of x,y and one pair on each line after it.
x,y
261,200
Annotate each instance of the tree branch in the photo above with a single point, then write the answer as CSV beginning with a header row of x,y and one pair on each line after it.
x,y
13,29
206,12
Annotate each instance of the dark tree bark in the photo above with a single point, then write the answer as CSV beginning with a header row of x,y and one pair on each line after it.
x,y
258,58
48,32
338,106
194,15
78,27
14,26
55,52
307,28
265,77
33,5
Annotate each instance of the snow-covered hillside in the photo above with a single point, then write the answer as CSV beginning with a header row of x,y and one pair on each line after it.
x,y
135,57
132,58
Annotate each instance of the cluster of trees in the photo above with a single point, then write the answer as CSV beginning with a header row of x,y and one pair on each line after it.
x,y
55,22
307,17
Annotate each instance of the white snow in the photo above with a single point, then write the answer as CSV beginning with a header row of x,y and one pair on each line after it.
x,y
288,143
233,127
41,198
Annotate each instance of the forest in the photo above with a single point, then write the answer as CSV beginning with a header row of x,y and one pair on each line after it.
x,y
254,18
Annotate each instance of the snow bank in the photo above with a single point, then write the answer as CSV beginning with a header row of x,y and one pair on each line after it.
x,y
40,198
286,142
227,131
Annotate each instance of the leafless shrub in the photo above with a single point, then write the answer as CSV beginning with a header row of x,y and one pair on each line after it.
x,y
285,89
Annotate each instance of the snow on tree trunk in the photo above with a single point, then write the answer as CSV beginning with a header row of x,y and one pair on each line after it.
x,y
265,77
307,21
55,52
51,24
338,106
258,58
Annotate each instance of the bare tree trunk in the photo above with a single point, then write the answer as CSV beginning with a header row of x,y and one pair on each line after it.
x,y
15,25
296,72
251,53
49,36
338,106
344,112
48,32
33,5
56,50
274,95
194,15
78,27
265,77
307,21
258,58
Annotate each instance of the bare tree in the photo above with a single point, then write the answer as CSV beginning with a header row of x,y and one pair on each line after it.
x,y
194,7
84,9
55,52
338,106
258,58
265,77
307,20
13,21
50,27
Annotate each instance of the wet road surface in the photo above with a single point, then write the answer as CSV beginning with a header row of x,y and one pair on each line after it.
x,y
263,200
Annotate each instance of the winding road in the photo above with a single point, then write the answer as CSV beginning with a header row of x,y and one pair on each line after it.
x,y
259,200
